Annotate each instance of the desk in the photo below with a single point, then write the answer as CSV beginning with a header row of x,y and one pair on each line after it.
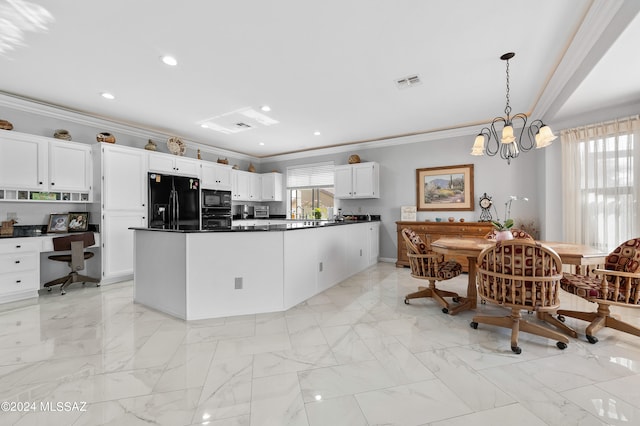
x,y
21,269
570,254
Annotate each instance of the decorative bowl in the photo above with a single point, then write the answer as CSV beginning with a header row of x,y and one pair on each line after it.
x,y
353,159
105,137
5,125
62,134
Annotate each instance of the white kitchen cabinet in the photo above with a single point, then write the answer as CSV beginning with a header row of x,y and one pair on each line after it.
x,y
23,162
271,186
117,243
246,186
172,164
124,178
361,180
374,242
19,269
215,176
33,163
122,203
69,167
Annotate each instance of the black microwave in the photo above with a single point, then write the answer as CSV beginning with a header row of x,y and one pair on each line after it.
x,y
216,198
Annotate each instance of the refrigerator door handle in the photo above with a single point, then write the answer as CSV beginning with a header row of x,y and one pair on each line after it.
x,y
177,201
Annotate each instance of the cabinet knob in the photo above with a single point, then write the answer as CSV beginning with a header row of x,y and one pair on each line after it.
x,y
18,246
39,183
53,183
18,281
17,261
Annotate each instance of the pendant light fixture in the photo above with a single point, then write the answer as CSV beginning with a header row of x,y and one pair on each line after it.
x,y
491,141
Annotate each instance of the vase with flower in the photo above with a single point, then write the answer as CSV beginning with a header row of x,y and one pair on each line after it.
x,y
503,229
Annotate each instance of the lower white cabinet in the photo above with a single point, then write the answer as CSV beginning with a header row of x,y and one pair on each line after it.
x,y
117,244
19,269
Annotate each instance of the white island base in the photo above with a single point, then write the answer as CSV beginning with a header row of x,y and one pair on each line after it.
x,y
199,275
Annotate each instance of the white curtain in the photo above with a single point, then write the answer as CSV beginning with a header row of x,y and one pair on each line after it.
x,y
601,185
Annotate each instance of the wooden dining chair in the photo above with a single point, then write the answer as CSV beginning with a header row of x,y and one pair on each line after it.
x,y
521,275
428,265
618,284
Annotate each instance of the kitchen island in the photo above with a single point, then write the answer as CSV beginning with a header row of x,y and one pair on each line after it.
x,y
248,269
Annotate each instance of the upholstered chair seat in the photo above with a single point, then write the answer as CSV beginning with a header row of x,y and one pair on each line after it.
x,y
427,265
616,284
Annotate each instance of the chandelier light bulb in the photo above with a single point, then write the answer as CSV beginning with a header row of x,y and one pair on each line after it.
x,y
544,137
478,146
507,135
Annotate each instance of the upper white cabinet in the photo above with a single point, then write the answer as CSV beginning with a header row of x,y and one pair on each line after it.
x,y
360,180
215,176
172,164
23,162
123,178
30,163
246,186
69,167
271,186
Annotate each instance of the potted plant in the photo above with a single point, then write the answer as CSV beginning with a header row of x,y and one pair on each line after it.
x,y
503,229
317,213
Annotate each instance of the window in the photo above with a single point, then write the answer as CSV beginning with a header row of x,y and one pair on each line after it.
x,y
600,164
310,190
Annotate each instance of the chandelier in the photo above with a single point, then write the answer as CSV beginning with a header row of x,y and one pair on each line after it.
x,y
507,145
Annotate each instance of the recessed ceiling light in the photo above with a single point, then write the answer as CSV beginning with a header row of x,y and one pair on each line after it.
x,y
107,95
170,60
261,144
265,108
316,133
204,126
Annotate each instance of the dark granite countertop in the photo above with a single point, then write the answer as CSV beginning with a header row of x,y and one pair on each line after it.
x,y
284,227
26,231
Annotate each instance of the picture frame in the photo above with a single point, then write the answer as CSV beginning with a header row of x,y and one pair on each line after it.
x,y
58,223
78,221
445,188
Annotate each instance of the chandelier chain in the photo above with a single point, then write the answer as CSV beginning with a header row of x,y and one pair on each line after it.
x,y
507,109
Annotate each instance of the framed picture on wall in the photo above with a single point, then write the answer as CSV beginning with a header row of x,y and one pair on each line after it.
x,y
58,222
78,221
445,188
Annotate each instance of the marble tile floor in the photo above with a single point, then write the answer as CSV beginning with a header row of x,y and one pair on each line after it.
x,y
353,355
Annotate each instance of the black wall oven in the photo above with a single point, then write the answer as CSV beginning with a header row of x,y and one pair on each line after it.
x,y
216,209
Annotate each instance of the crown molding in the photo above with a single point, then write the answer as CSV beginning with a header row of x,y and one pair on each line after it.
x,y
380,143
65,114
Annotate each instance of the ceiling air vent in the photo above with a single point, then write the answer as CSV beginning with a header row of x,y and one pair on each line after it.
x,y
410,81
238,121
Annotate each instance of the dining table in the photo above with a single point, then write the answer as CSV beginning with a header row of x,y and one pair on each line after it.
x,y
578,255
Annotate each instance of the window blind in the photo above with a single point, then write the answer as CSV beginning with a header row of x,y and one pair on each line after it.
x,y
310,175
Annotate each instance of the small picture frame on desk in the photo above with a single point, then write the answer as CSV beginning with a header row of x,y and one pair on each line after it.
x,y
78,221
58,223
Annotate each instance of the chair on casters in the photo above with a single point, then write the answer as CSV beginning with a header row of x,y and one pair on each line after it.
x,y
521,275
76,243
428,265
617,284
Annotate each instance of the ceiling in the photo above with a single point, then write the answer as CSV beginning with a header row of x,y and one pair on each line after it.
x,y
329,67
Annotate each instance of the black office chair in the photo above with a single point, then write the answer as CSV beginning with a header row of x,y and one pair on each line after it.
x,y
76,243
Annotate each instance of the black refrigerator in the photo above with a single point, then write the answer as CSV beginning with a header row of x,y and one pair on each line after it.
x,y
174,202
